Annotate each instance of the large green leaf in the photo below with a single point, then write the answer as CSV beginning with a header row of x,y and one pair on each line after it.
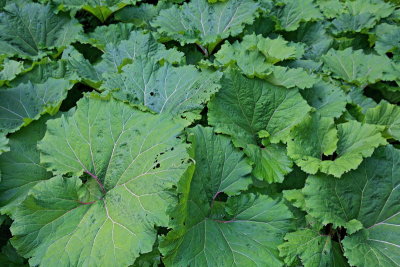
x,y
206,24
243,107
295,12
387,115
357,67
317,136
138,44
136,160
33,30
387,38
329,99
26,102
102,9
369,197
20,167
11,68
209,232
163,89
313,248
270,162
108,34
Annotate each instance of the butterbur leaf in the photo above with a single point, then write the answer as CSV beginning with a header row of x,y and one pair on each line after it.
x,y
250,227
369,195
313,248
17,181
26,102
291,77
387,38
139,44
141,15
11,68
243,107
387,115
31,31
270,162
3,144
134,157
294,12
317,136
101,9
276,50
110,34
204,23
357,67
329,99
163,89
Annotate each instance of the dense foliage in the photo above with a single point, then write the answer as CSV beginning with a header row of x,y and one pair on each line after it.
x,y
200,133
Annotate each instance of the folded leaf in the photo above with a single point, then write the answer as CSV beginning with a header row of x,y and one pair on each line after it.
x,y
387,115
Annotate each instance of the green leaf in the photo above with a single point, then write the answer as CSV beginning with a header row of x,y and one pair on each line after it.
x,y
289,78
101,9
141,15
317,136
256,54
11,69
201,234
108,34
357,67
243,107
4,144
271,163
163,89
387,115
369,195
295,12
31,31
387,38
134,157
26,102
328,99
313,248
206,24
20,167
139,44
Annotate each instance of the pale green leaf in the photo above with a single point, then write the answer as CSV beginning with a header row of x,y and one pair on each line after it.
x,y
317,136
163,89
206,24
289,78
136,159
387,115
387,38
11,68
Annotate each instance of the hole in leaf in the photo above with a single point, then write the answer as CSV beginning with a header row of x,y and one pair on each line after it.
x,y
330,157
221,197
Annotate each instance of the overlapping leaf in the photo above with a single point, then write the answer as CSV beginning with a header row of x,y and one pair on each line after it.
x,y
243,231
26,102
135,158
163,89
31,31
206,24
367,197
